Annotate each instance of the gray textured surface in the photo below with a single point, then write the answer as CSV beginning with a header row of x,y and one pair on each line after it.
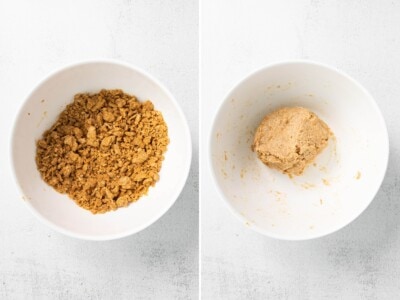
x,y
37,37
362,38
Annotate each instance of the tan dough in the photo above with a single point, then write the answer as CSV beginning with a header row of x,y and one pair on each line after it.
x,y
290,138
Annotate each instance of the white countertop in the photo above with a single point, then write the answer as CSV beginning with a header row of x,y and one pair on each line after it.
x,y
37,37
362,38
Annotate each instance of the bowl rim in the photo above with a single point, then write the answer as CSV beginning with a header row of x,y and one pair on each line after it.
x,y
222,195
185,169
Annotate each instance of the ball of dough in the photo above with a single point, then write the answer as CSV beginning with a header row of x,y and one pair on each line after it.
x,y
290,138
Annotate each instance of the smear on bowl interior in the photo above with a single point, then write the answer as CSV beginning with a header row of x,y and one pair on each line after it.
x,y
104,151
289,139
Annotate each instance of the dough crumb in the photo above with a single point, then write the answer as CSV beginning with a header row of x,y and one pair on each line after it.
x,y
289,139
105,150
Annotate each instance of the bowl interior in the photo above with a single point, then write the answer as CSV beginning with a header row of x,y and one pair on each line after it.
x,y
333,191
40,111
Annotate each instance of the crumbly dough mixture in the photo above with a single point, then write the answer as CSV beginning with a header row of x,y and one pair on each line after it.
x,y
290,138
104,151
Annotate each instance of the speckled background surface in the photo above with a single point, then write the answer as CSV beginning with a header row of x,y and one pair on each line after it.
x,y
37,37
362,38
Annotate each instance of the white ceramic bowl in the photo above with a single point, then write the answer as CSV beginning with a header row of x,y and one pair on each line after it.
x,y
41,109
331,193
